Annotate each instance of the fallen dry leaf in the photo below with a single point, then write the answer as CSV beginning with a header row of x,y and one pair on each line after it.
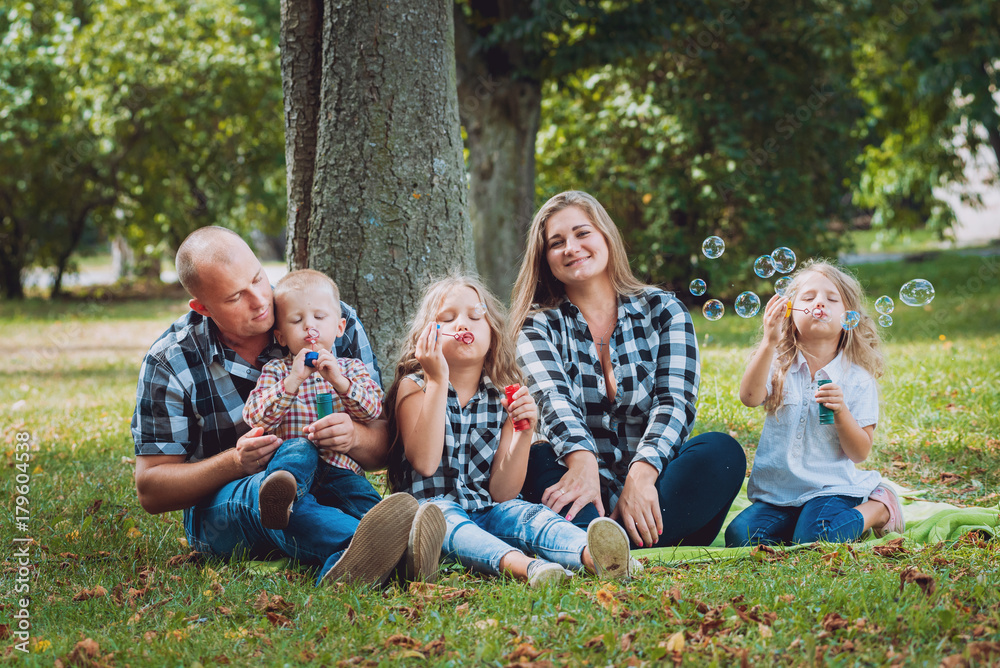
x,y
922,580
675,643
264,603
893,547
524,651
626,641
399,640
950,478
832,622
278,620
179,559
87,594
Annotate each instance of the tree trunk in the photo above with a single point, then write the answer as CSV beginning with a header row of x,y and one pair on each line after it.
x,y
12,239
301,75
388,193
75,233
501,116
122,258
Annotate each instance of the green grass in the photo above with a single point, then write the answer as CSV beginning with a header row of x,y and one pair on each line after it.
x,y
74,366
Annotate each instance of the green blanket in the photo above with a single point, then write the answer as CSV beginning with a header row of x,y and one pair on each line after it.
x,y
926,522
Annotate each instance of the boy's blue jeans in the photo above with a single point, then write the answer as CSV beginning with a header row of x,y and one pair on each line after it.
x,y
829,518
478,539
227,524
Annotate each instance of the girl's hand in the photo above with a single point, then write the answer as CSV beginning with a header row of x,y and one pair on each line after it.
x,y
580,485
523,407
431,356
638,508
774,315
831,396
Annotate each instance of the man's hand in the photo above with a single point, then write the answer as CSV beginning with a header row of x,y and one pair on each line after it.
x,y
254,450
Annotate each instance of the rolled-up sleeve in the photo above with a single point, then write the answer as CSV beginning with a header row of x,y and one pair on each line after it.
x,y
678,375
162,422
564,422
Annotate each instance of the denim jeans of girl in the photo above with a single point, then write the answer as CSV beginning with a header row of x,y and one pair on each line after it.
x,y
829,518
478,539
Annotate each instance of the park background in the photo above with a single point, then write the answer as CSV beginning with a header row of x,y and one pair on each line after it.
x,y
412,137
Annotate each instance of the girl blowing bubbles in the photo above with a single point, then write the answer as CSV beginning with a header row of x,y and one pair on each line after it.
x,y
456,446
804,485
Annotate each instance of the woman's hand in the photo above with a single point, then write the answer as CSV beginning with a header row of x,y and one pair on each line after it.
x,y
430,355
580,485
638,508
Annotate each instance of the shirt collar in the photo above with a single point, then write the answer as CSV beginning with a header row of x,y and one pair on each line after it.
x,y
833,371
218,349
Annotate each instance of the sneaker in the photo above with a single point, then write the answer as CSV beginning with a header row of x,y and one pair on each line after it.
x,y
423,549
609,548
886,495
378,544
275,499
543,573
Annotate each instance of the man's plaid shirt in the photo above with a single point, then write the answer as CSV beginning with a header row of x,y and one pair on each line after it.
x,y
192,387
471,439
654,353
286,415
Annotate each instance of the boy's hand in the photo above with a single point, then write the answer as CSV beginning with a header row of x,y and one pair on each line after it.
x,y
831,396
329,368
774,315
298,373
522,407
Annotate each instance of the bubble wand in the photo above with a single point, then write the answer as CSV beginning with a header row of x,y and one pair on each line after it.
x,y
465,337
312,355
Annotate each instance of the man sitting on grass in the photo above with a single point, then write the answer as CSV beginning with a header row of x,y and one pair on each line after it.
x,y
194,452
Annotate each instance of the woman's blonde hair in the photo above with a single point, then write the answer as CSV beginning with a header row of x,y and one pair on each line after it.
x,y
536,288
861,345
500,363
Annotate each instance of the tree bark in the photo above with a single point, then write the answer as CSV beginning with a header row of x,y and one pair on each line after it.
x,y
301,75
501,115
388,192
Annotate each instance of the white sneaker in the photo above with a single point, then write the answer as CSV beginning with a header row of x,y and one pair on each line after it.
x,y
609,548
543,573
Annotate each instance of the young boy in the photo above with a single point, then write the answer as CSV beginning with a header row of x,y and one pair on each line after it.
x,y
308,320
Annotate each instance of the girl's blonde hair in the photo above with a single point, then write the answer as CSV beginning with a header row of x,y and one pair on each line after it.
x,y
500,363
861,345
536,288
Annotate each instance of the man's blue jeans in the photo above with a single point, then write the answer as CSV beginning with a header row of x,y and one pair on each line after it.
x,y
830,518
227,524
478,539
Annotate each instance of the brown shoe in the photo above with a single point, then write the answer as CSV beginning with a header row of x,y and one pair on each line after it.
x,y
378,544
423,549
275,499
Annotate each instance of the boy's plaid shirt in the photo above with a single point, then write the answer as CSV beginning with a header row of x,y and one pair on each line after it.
x,y
286,415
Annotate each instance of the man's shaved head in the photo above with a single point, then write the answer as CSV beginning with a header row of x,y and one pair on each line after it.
x,y
206,245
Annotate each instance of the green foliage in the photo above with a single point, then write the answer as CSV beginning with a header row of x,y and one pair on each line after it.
x,y
927,72
741,127
148,118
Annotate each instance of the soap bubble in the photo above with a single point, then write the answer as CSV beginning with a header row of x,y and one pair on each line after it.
x,y
764,266
781,285
713,247
698,287
885,320
850,320
917,292
784,259
884,305
713,309
747,305
480,309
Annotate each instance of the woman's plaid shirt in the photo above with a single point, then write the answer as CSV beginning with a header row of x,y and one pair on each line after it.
x,y
654,353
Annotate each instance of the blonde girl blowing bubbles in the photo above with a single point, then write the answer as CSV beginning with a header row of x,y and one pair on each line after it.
x,y
804,484
457,446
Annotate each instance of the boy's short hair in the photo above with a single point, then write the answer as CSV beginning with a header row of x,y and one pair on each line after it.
x,y
304,278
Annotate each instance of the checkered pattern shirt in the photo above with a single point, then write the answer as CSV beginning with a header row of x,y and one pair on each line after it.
x,y
654,353
192,387
471,439
798,458
287,415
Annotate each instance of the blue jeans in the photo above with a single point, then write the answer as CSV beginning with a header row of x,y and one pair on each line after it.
x,y
227,524
478,539
830,518
696,488
331,485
